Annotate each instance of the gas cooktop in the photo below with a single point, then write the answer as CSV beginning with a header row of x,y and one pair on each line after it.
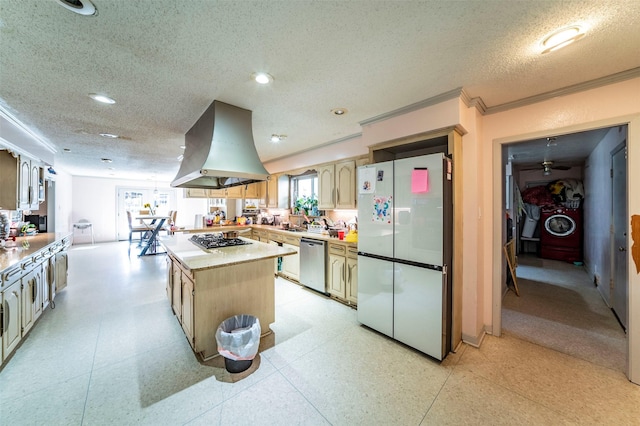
x,y
209,241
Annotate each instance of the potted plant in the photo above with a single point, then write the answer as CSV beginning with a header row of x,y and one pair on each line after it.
x,y
305,205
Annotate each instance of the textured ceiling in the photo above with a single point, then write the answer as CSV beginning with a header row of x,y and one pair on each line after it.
x,y
165,61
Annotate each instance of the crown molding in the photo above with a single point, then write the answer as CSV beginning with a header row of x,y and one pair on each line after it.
x,y
13,121
580,87
446,96
333,142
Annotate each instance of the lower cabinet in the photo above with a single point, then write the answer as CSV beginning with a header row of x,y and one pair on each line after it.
x,y
29,287
62,266
291,263
187,307
180,286
11,321
342,277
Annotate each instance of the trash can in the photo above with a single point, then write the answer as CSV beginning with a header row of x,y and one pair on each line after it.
x,y
531,222
238,339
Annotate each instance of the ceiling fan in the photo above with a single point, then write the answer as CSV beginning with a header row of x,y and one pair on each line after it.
x,y
548,167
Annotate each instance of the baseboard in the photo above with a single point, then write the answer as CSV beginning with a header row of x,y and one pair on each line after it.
x,y
474,341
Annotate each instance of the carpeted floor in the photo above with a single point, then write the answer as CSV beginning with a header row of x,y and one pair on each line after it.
x,y
560,308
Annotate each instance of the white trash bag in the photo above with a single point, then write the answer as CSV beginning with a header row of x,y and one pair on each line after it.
x,y
238,337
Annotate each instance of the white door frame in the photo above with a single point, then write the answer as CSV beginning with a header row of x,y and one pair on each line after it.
x,y
633,206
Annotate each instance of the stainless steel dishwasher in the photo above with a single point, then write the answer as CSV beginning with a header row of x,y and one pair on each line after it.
x,y
312,264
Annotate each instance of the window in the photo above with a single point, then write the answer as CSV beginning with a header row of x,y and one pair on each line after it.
x,y
304,186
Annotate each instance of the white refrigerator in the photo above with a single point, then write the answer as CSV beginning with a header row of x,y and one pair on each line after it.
x,y
404,251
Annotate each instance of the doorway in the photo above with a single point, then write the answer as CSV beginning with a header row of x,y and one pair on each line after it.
x,y
134,199
567,305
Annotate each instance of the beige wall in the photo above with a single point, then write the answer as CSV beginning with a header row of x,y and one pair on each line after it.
x,y
606,106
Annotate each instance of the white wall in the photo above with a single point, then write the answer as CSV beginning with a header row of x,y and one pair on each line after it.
x,y
597,218
95,199
63,202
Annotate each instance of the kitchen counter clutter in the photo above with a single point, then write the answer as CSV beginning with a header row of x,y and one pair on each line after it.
x,y
33,270
207,286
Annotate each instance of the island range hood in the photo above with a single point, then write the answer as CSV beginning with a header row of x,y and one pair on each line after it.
x,y
220,151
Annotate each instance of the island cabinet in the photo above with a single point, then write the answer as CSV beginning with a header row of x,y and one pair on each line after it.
x,y
342,274
337,185
217,284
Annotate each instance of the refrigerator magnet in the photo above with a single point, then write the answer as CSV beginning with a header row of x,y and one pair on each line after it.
x,y
367,180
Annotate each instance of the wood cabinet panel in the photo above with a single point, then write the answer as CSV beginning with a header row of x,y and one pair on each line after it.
x,y
11,318
336,284
337,185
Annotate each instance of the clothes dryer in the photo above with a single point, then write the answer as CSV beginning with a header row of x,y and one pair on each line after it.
x,y
561,233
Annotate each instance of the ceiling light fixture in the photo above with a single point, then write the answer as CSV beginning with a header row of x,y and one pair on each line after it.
x,y
262,77
81,7
561,38
109,135
546,165
277,138
102,98
339,111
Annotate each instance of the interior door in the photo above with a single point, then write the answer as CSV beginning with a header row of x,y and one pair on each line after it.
x,y
619,294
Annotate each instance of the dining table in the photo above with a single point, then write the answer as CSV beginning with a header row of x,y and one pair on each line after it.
x,y
149,242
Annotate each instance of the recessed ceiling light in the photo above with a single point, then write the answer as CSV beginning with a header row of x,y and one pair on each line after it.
x,y
101,98
106,160
81,7
182,146
109,135
262,77
277,138
561,38
339,111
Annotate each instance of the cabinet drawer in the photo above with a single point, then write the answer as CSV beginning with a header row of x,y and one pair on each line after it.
x,y
274,236
352,252
290,239
337,249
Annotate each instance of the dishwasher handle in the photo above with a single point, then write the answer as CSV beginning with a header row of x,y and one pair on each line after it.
x,y
311,242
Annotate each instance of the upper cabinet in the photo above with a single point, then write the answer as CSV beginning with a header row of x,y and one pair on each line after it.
x,y
252,190
272,192
337,185
21,180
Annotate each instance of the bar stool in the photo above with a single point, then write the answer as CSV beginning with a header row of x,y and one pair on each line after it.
x,y
83,224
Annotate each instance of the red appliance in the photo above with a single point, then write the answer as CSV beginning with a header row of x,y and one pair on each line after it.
x,y
561,233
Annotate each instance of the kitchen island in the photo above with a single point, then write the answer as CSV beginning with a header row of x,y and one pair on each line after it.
x,y
207,286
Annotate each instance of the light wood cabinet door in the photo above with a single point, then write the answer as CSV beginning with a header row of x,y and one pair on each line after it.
x,y
62,264
235,192
272,192
38,292
196,192
215,193
345,183
28,298
34,187
187,307
10,178
24,184
169,286
291,263
351,287
11,306
336,284
176,291
253,191
326,188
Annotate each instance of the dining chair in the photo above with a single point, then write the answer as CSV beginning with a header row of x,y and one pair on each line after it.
x,y
135,228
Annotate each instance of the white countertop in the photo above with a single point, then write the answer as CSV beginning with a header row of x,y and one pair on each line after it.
x,y
196,258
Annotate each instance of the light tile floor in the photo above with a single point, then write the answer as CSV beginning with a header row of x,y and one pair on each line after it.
x,y
112,352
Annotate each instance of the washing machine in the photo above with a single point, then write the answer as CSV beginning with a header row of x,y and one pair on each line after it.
x,y
561,233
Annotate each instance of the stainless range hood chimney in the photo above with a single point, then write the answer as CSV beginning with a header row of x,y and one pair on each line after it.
x,y
219,150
